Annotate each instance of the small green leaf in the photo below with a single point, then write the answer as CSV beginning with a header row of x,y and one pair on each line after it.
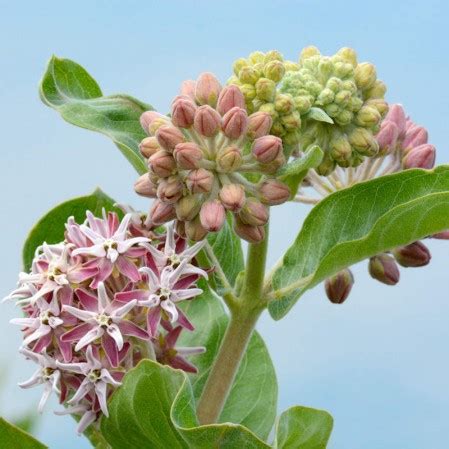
x,y
255,382
319,115
303,428
294,172
359,222
228,250
13,437
68,88
50,228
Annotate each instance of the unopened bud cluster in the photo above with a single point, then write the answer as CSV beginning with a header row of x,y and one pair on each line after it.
x,y
351,96
199,160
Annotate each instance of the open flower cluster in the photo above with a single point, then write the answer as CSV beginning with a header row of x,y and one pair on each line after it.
x,y
402,145
97,303
201,160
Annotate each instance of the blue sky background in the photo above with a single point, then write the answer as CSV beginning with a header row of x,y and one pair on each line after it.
x,y
379,363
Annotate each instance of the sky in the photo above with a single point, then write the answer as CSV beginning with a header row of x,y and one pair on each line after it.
x,y
380,362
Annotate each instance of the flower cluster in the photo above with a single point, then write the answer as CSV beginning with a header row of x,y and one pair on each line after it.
x,y
208,158
97,303
402,145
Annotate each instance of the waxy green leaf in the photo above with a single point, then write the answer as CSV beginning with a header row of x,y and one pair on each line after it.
x,y
294,172
51,227
303,428
359,222
13,437
68,88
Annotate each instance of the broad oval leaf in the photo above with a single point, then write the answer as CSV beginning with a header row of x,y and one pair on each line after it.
x,y
50,228
68,88
359,222
303,428
252,401
13,437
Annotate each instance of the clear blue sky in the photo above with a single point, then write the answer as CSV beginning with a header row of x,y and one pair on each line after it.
x,y
380,363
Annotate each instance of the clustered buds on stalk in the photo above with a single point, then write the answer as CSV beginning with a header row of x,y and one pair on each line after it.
x,y
199,159
402,145
98,303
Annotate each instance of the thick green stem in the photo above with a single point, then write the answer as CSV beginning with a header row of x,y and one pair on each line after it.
x,y
244,316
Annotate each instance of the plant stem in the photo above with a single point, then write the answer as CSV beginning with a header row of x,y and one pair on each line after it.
x,y
241,325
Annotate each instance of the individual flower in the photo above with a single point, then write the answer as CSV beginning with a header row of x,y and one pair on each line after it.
x,y
209,158
86,326
402,145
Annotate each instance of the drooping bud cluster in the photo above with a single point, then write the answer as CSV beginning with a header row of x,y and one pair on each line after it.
x,y
403,145
259,78
199,160
98,303
346,106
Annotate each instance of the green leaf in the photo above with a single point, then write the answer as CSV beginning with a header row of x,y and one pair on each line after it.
x,y
360,222
294,172
155,408
50,228
303,428
319,115
68,88
255,382
228,250
13,437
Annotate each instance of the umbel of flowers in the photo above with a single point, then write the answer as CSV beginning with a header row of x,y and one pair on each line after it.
x,y
211,157
334,102
99,302
402,145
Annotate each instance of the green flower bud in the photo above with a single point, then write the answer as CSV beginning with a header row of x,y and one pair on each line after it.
x,y
229,159
334,84
363,141
284,103
292,137
344,118
307,52
341,150
377,91
343,97
325,68
325,97
248,75
380,104
343,69
274,71
239,64
270,109
365,75
302,104
265,89
368,117
327,166
292,121
273,55
248,91
291,66
188,207
349,55
256,57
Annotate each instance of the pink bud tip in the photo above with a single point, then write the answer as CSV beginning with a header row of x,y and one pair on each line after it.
x,y
387,136
183,113
169,191
232,197
207,89
235,122
149,146
188,88
212,215
415,136
414,255
162,212
384,269
441,235
169,136
267,148
339,286
254,213
396,114
273,192
422,156
200,181
230,97
144,187
188,155
259,124
148,117
252,234
162,164
207,121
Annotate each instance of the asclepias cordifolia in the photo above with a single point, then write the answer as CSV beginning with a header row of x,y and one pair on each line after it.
x,y
123,311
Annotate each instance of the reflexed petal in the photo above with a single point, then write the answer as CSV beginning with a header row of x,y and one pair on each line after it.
x,y
153,280
179,362
101,392
114,331
184,321
105,269
131,329
103,297
171,309
185,281
110,349
38,333
86,420
193,250
128,269
80,274
139,295
107,377
35,379
123,310
124,246
153,320
84,388
44,398
91,336
187,293
83,315
95,250
77,332
25,322
169,247
88,301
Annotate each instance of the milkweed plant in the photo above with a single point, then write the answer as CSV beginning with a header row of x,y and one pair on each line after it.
x,y
142,324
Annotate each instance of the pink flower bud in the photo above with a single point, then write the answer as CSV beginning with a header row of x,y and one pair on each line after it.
x,y
254,213
212,215
267,148
232,197
200,181
415,136
207,121
252,234
188,207
384,269
230,97
235,122
274,192
272,167
161,212
194,230
387,136
168,137
144,187
259,124
151,121
339,286
162,164
396,114
229,159
441,235
149,146
188,155
422,156
183,113
414,255
207,89
188,88
169,190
